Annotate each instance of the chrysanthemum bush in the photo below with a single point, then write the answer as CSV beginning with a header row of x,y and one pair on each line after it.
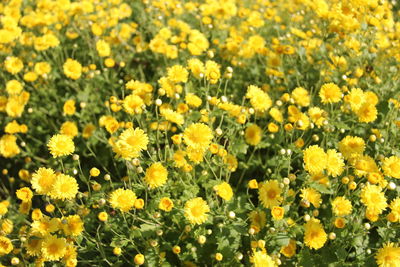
x,y
199,133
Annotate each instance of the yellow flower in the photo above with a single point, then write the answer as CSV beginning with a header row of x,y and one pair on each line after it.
x,y
196,210
34,247
53,248
374,199
262,259
14,87
259,99
13,65
388,255
198,136
276,114
391,167
356,98
301,96
131,142
69,107
315,159
196,67
166,204
277,212
351,146
139,259
212,71
5,246
61,145
73,225
156,175
133,104
43,180
42,68
69,128
123,199
330,93
178,74
312,196
258,220
103,48
335,163
341,206
314,235
224,190
8,146
289,250
193,100
367,113
172,116
270,194
72,69
253,134
25,194
94,172
64,187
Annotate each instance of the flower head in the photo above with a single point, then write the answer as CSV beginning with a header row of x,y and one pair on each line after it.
x,y
156,175
270,194
196,210
123,199
61,145
314,235
64,187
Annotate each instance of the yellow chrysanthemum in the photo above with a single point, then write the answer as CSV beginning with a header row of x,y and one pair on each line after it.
x,y
133,104
262,259
131,142
258,220
34,247
374,199
351,146
312,196
156,175
301,96
53,248
391,167
123,199
25,194
5,246
64,187
335,163
224,190
177,74
341,206
259,99
355,98
73,225
314,235
388,256
367,113
43,180
69,128
270,194
198,136
253,134
172,116
196,210
72,69
61,145
315,159
330,93
166,204
8,146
